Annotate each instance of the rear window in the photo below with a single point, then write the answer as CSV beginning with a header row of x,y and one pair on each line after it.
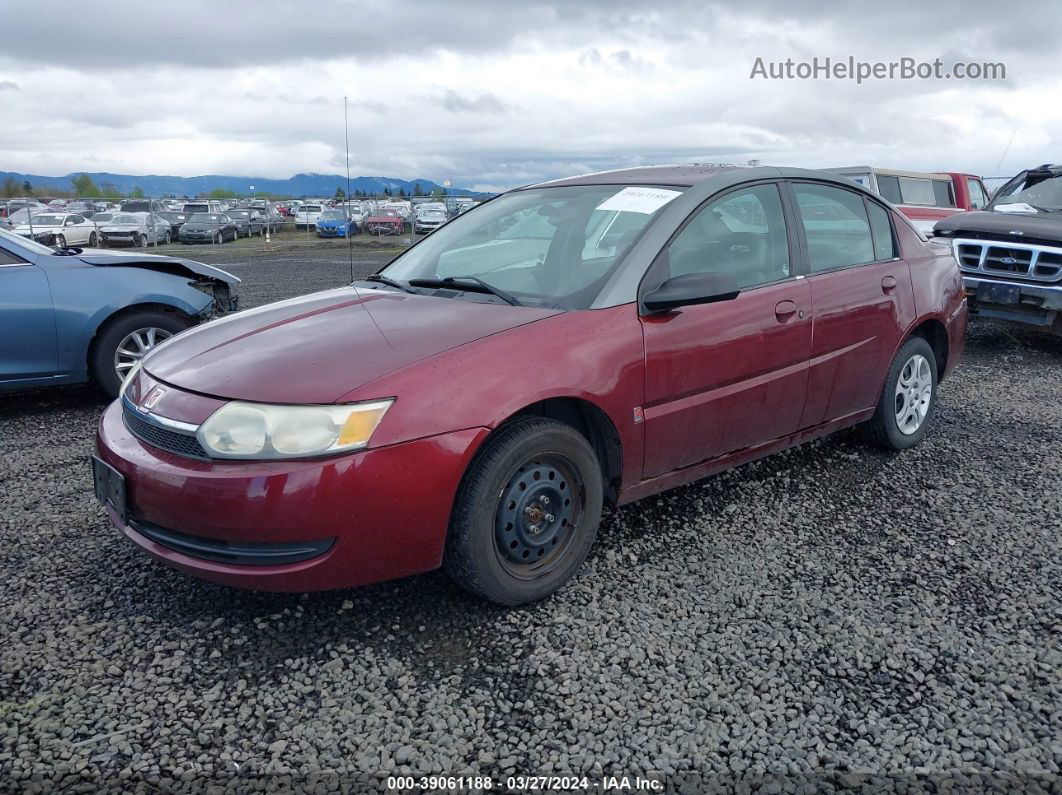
x,y
311,208
889,188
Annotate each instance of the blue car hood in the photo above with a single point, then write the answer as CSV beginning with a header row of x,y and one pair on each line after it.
x,y
177,265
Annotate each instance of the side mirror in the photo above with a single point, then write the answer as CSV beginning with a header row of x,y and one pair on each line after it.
x,y
690,289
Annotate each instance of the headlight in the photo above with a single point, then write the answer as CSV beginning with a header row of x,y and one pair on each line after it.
x,y
264,431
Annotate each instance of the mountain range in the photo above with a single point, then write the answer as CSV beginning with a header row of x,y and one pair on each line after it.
x,y
298,185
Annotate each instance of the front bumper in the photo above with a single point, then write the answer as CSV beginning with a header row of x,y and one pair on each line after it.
x,y
331,231
376,514
1039,304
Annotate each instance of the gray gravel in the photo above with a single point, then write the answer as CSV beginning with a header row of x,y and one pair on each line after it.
x,y
832,617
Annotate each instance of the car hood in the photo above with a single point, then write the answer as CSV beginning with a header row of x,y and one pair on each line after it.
x,y
1012,226
175,265
319,347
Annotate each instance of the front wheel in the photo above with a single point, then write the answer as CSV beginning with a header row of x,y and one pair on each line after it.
x,y
909,398
141,240
93,240
526,513
123,342
60,241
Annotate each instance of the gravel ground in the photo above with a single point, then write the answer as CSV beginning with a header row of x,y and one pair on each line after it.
x,y
831,617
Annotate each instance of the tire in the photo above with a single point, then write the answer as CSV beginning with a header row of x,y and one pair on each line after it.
x,y
167,239
511,539
60,241
908,400
141,240
114,332
93,240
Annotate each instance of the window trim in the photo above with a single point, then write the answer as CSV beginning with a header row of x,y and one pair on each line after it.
x,y
789,183
651,279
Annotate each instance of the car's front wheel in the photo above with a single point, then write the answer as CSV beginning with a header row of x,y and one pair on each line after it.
x,y
93,240
909,398
526,513
60,241
123,342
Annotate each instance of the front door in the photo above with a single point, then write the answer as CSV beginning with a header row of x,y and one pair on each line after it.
x,y
724,376
27,321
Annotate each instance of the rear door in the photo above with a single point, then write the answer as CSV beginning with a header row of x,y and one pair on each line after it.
x,y
862,296
724,376
27,320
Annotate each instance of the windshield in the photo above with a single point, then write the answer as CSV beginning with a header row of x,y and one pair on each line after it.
x,y
24,242
239,213
545,246
310,208
126,219
204,218
1041,190
136,207
333,215
101,217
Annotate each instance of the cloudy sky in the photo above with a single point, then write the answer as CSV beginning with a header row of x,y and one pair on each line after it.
x,y
497,94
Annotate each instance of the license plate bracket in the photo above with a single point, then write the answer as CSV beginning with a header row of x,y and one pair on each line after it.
x,y
109,485
1005,294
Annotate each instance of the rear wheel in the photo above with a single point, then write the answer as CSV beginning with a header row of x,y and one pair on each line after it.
x,y
526,514
908,400
123,342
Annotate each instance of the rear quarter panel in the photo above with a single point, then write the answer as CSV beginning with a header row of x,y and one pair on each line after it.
x,y
938,290
85,296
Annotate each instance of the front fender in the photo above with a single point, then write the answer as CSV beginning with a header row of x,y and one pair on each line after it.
x,y
85,297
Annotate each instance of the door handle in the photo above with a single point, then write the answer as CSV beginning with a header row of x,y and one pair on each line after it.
x,y
784,310
888,285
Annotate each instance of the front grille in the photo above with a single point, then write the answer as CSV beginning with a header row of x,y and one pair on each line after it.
x,y
172,441
1022,261
246,553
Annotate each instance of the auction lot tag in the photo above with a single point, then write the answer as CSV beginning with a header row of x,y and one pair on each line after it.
x,y
639,200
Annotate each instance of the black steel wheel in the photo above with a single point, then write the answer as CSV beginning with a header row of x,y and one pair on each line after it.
x,y
536,515
526,513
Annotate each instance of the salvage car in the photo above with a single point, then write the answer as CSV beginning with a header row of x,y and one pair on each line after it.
x,y
207,228
135,229
384,221
72,315
923,197
477,402
307,214
247,222
335,223
60,229
430,219
1010,253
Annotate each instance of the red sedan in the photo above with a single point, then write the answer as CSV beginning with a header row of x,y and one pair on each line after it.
x,y
590,340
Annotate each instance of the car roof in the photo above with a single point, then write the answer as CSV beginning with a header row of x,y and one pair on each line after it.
x,y
707,176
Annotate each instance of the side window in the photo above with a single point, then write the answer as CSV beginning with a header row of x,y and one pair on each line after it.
x,y
978,199
742,234
917,191
835,225
881,228
7,258
889,188
943,193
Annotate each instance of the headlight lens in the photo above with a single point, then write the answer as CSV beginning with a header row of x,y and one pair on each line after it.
x,y
265,431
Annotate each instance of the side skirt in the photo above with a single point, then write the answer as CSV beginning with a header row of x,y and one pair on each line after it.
x,y
714,466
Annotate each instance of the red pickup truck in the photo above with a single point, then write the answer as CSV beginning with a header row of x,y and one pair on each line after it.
x,y
924,197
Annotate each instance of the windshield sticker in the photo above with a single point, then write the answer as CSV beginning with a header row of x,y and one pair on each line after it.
x,y
639,200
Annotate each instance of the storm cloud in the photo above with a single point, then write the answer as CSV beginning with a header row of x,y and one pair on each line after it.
x,y
499,94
